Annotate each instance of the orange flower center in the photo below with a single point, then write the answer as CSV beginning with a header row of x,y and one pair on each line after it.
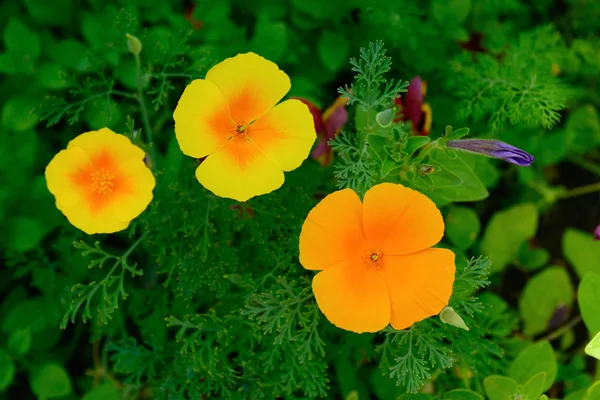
x,y
241,129
102,181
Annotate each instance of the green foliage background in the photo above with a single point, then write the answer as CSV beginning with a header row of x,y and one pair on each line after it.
x,y
205,298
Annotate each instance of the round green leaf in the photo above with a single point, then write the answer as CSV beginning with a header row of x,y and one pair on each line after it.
x,y
19,341
270,39
19,113
532,360
537,304
102,113
500,387
582,251
7,370
462,226
18,38
51,380
588,297
333,50
534,387
26,233
506,232
105,391
450,12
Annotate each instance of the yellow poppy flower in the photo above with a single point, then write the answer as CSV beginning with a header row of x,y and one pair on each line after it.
x,y
375,257
100,182
232,119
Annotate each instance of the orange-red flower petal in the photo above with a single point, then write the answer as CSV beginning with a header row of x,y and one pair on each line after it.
x,y
251,84
419,284
353,297
400,220
333,231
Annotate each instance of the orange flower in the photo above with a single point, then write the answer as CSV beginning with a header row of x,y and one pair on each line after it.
x,y
375,256
232,119
100,181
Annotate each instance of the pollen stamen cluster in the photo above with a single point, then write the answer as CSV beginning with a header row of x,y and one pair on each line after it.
x,y
374,258
102,181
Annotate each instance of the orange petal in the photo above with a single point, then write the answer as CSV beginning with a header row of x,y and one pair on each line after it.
x,y
353,297
251,84
285,134
239,171
202,120
419,284
399,220
333,231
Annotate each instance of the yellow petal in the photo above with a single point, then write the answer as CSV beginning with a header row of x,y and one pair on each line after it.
x,y
419,284
399,220
333,231
65,164
251,84
97,142
140,182
202,120
239,171
285,134
353,297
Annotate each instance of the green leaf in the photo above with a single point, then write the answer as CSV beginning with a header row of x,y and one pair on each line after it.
x,y
105,391
506,232
51,76
450,134
388,165
19,341
450,12
537,304
70,54
534,387
588,297
583,129
19,39
414,143
270,39
593,347
26,233
532,259
19,113
7,370
500,387
377,144
532,360
333,50
582,251
462,394
102,113
55,13
462,226
593,392
51,380
577,395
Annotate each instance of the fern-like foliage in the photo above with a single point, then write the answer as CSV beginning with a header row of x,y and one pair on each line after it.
x,y
516,86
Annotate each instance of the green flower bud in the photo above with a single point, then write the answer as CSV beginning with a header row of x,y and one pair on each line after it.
x,y
134,45
385,118
450,317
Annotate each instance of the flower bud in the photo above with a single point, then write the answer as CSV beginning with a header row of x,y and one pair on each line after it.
x,y
134,45
450,317
494,149
385,118
597,233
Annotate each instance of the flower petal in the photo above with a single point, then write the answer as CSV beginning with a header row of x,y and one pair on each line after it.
x,y
202,120
239,171
285,134
95,143
333,231
353,297
251,84
64,164
139,181
399,220
419,284
91,222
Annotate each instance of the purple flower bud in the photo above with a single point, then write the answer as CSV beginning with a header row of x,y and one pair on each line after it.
x,y
597,233
494,149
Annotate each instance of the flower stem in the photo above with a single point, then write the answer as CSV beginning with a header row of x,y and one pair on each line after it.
x,y
145,120
563,329
581,190
580,162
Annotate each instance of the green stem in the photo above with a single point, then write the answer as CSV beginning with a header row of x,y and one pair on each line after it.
x,y
563,329
145,119
581,190
133,246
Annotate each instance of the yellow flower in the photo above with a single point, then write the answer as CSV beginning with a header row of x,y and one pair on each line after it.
x,y
100,182
232,119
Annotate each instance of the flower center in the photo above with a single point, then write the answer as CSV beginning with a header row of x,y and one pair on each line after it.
x,y
102,181
374,258
241,128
